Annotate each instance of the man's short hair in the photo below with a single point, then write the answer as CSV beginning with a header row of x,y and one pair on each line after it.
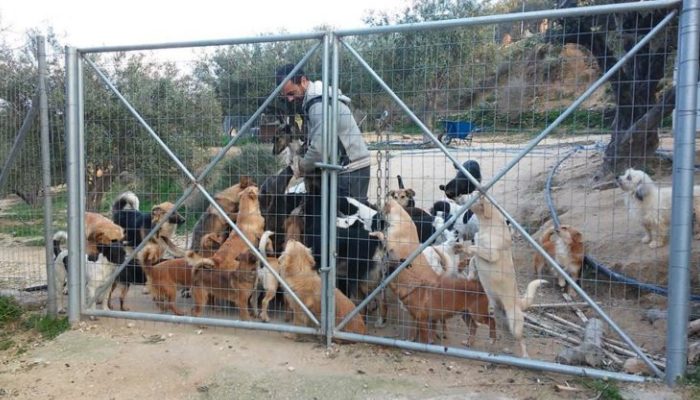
x,y
284,70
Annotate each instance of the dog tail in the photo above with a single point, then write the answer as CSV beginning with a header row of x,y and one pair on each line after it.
x,y
401,186
532,287
197,262
125,201
265,242
58,237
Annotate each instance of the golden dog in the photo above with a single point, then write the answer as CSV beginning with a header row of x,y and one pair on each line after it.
x,y
296,267
493,260
249,219
566,247
212,222
651,204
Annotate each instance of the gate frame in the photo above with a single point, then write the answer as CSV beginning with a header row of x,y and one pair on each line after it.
x,y
678,263
75,171
483,188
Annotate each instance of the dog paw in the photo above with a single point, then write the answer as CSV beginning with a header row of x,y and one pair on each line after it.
x,y
145,290
379,323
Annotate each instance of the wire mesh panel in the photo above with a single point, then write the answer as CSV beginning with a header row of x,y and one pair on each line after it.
x,y
156,122
502,88
23,264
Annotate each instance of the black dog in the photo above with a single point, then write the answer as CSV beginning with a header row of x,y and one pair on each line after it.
x,y
356,250
461,184
137,224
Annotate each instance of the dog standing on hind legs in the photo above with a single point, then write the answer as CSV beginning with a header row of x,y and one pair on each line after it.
x,y
493,260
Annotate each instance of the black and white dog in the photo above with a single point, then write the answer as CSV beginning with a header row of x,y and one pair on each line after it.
x,y
457,191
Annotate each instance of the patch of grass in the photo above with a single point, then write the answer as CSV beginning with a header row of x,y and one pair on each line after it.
x,y
605,390
10,310
48,326
692,381
6,344
24,220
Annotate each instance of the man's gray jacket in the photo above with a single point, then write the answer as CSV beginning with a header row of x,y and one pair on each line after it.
x,y
349,133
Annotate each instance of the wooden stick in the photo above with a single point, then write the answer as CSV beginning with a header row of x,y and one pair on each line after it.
x,y
578,312
557,305
616,345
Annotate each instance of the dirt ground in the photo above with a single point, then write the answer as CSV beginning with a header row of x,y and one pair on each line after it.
x,y
119,359
115,359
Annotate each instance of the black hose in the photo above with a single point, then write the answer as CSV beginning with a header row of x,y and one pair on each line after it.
x,y
590,261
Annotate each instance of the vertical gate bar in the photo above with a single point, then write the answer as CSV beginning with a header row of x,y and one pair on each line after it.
x,y
325,140
333,203
19,140
51,305
682,202
81,171
73,181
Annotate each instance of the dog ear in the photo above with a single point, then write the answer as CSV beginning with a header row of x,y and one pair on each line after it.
x,y
247,257
641,191
411,193
576,236
246,181
391,193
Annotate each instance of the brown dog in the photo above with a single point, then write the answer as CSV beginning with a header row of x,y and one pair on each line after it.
x,y
566,247
235,286
405,197
100,230
212,221
296,267
166,276
430,302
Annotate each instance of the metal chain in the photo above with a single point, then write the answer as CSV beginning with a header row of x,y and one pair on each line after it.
x,y
378,131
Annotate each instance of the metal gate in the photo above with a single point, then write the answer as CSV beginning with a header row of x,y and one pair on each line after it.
x,y
333,46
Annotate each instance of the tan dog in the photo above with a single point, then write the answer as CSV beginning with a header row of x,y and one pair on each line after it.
x,y
235,285
296,267
100,230
166,277
401,237
212,222
652,205
249,219
265,278
493,260
405,197
566,247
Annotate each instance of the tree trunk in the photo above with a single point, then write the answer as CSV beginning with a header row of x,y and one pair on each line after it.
x,y
634,146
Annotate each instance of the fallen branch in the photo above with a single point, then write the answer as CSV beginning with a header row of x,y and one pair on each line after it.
x,y
578,312
557,305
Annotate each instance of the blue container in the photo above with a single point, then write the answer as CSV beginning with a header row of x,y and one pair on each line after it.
x,y
458,129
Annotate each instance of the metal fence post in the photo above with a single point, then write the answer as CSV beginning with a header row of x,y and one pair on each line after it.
x,y
682,203
74,183
333,200
46,176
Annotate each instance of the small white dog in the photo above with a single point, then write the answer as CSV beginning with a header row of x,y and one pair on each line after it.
x,y
651,204
96,272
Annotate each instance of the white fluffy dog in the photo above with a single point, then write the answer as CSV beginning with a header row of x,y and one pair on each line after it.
x,y
651,204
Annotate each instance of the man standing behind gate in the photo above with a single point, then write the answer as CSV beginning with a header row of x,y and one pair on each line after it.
x,y
353,155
